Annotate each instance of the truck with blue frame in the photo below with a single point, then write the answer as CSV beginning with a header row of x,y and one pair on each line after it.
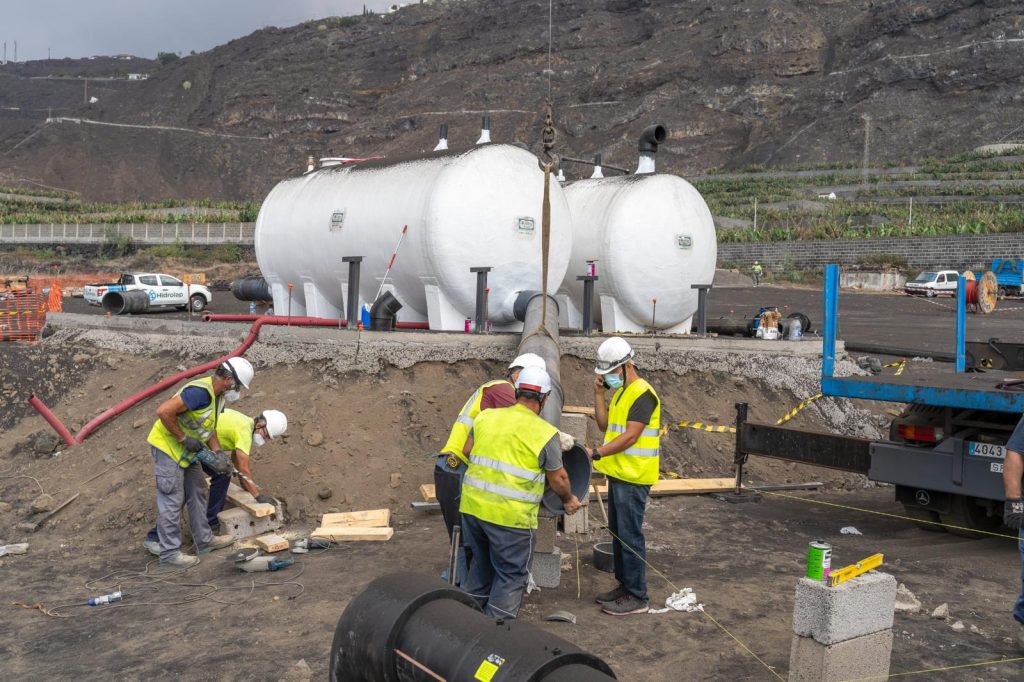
x,y
944,454
1010,276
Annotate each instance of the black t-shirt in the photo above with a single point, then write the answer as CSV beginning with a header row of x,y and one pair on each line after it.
x,y
642,408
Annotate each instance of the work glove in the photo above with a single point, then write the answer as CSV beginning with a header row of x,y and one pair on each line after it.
x,y
193,444
266,499
566,441
1013,513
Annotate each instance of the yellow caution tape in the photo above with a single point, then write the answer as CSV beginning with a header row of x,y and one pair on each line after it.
x,y
792,413
710,428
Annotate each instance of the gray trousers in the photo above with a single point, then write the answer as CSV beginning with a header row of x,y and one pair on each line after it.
x,y
177,487
501,565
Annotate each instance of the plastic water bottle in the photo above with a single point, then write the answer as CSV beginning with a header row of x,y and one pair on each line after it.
x,y
105,599
252,307
796,332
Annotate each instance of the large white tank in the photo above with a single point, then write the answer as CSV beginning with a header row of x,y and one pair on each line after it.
x,y
652,236
475,208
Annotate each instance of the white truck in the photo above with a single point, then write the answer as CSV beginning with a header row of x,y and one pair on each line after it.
x,y
163,290
933,283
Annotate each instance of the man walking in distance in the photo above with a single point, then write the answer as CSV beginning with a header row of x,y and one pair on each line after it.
x,y
629,458
453,459
1013,511
756,271
514,450
186,425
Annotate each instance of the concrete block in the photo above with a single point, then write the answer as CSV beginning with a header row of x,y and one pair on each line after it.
x,y
239,524
546,568
544,536
578,523
575,425
857,607
858,658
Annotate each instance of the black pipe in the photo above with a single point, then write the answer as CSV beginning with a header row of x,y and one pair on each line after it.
x,y
443,135
878,349
405,623
481,298
352,304
125,302
588,302
583,162
651,137
251,288
702,308
383,311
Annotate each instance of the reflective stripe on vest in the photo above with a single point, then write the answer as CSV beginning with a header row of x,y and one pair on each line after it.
x,y
464,422
639,463
504,483
199,424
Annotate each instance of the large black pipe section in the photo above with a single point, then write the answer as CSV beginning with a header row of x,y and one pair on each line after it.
x,y
352,305
410,627
481,298
251,288
383,311
125,302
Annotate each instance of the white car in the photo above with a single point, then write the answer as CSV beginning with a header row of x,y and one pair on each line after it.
x,y
163,290
933,283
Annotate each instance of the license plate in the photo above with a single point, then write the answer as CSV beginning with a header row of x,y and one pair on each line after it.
x,y
986,450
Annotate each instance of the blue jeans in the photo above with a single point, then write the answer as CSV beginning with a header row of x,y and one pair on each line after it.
x,y
1018,608
218,496
448,491
501,565
626,505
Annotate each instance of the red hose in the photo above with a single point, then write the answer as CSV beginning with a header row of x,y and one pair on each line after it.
x,y
315,321
52,420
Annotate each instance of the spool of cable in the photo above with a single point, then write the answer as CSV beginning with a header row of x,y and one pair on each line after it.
x,y
982,293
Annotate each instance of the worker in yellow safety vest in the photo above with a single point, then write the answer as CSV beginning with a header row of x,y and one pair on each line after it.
x,y
629,458
514,451
451,462
186,428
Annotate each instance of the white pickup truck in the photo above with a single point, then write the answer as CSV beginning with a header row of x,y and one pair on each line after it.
x,y
933,283
163,290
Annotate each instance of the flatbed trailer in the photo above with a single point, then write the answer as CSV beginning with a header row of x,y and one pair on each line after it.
x,y
945,451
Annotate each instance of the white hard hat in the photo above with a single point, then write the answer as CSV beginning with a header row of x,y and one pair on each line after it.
x,y
528,360
240,369
613,353
277,423
534,379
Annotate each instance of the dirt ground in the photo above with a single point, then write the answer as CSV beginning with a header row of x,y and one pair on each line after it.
x,y
350,433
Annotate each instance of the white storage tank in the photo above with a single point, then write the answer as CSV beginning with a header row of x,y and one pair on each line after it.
x,y
475,208
650,236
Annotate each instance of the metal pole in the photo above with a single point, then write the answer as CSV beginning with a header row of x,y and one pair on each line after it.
x,y
481,298
828,349
352,305
961,320
741,457
588,302
702,308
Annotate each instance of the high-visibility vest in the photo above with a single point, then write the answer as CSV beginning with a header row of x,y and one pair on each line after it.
x,y
464,422
199,424
234,431
638,463
504,483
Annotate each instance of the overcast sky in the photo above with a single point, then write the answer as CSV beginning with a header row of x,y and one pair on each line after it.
x,y
80,28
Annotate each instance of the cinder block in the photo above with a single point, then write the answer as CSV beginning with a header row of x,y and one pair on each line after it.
x,y
575,425
858,658
860,606
546,568
240,524
578,523
544,536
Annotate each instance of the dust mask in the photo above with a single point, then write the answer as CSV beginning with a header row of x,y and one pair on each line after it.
x,y
232,396
613,380
258,439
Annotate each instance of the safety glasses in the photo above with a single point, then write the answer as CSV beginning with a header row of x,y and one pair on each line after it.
x,y
606,366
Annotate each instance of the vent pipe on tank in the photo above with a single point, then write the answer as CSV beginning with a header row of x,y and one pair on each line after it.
x,y
648,147
310,163
442,139
597,167
561,176
485,131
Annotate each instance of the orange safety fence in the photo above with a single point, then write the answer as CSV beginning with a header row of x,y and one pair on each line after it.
x,y
22,315
55,303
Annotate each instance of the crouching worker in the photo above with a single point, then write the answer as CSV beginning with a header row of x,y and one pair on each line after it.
x,y
514,450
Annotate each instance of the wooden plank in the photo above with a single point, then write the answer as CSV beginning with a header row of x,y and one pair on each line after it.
x,y
371,518
272,543
427,491
342,534
243,499
682,486
578,409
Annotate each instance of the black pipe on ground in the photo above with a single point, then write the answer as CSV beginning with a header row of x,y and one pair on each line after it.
x,y
125,302
410,627
251,289
383,311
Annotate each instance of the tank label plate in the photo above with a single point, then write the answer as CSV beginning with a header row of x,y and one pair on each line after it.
x,y
684,241
337,220
525,225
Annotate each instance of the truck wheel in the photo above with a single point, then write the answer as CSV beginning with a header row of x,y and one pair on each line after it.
x,y
925,519
197,303
1001,293
969,515
930,293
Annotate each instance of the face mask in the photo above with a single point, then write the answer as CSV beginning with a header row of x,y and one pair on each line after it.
x,y
258,439
613,380
232,396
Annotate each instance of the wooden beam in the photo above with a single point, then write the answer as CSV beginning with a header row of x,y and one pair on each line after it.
x,y
243,499
272,543
682,486
371,518
342,534
577,409
427,491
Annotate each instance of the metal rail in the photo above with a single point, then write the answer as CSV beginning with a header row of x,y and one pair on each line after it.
x,y
140,233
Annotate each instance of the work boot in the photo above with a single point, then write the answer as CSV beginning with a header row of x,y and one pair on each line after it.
x,y
218,542
625,606
152,546
611,595
179,560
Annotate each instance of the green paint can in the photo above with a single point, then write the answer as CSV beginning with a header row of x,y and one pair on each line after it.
x,y
819,560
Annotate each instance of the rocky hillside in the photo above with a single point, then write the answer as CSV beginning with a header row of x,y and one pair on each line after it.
x,y
757,82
